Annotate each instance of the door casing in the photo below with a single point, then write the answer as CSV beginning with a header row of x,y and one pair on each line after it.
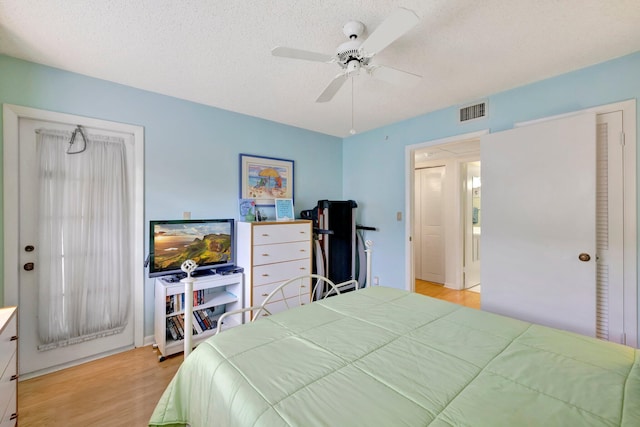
x,y
11,115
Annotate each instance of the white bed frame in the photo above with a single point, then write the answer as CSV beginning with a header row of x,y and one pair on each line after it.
x,y
302,282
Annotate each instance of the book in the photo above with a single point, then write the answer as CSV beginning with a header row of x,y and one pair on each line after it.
x,y
178,321
200,321
196,324
171,330
205,318
174,329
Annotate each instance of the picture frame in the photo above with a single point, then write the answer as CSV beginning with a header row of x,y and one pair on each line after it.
x,y
284,210
265,179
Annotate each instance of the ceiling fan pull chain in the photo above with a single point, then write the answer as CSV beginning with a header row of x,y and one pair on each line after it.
x,y
353,129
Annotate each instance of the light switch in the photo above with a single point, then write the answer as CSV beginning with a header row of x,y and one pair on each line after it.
x,y
186,215
399,216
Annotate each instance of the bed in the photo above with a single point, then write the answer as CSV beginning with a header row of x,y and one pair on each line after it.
x,y
386,357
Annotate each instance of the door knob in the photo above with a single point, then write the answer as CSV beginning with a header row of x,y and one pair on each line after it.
x,y
584,257
29,266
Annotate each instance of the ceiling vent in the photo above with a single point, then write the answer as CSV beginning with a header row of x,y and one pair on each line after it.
x,y
473,112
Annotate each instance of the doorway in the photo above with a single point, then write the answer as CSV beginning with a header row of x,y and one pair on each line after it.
x,y
443,213
472,223
38,356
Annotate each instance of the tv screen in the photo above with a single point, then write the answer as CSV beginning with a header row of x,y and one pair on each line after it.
x,y
208,242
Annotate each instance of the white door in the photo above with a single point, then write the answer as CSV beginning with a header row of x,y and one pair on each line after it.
x,y
429,263
32,359
538,223
472,218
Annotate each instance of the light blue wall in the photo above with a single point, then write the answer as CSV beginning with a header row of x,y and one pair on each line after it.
x,y
367,167
374,162
191,150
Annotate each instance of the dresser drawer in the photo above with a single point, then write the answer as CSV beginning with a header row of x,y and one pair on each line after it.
x,y
279,272
291,291
8,387
281,233
9,418
269,254
7,345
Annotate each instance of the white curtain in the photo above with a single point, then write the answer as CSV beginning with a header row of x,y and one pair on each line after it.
x,y
84,224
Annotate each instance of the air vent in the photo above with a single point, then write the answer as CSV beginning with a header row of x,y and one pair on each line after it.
x,y
473,112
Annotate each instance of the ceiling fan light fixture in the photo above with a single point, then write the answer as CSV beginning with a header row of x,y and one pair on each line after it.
x,y
353,67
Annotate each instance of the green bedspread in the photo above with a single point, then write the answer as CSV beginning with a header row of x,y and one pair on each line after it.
x,y
386,357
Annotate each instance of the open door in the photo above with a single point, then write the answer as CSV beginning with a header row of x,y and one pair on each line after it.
x,y
472,217
538,223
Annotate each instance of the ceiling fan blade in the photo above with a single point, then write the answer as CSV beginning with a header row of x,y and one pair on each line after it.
x,y
288,52
333,88
394,76
392,28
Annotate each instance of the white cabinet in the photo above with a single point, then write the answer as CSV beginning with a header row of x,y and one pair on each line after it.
x,y
270,253
212,296
8,366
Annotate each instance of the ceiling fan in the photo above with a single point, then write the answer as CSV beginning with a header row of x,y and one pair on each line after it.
x,y
356,54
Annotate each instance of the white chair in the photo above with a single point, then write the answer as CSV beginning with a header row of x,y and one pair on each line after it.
x,y
284,292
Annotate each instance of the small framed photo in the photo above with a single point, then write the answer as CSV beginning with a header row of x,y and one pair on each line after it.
x,y
284,210
265,179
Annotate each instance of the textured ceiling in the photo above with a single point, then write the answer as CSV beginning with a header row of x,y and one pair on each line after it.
x,y
218,52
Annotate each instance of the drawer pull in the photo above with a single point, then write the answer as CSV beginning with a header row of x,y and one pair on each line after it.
x,y
303,250
302,268
303,286
265,275
265,235
14,377
14,338
265,294
13,416
265,254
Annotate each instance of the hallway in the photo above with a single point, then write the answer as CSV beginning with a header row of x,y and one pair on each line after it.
x,y
467,298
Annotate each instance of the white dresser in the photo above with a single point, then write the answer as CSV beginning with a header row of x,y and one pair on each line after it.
x,y
8,366
270,253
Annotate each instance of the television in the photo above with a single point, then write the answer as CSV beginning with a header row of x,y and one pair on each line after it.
x,y
208,242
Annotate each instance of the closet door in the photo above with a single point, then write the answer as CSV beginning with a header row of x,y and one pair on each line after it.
x,y
538,236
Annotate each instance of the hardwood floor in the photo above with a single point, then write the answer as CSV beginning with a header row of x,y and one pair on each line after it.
x,y
119,390
436,290
123,389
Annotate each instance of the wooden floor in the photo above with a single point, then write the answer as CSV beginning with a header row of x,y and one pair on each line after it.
x,y
119,390
436,290
123,389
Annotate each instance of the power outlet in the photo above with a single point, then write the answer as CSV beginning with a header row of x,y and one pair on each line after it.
x,y
376,281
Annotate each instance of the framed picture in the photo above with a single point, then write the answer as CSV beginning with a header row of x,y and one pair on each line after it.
x,y
265,179
284,210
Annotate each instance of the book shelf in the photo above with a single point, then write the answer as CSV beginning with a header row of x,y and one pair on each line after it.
x,y
212,296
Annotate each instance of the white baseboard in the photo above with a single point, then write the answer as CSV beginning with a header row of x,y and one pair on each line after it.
x,y
149,340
